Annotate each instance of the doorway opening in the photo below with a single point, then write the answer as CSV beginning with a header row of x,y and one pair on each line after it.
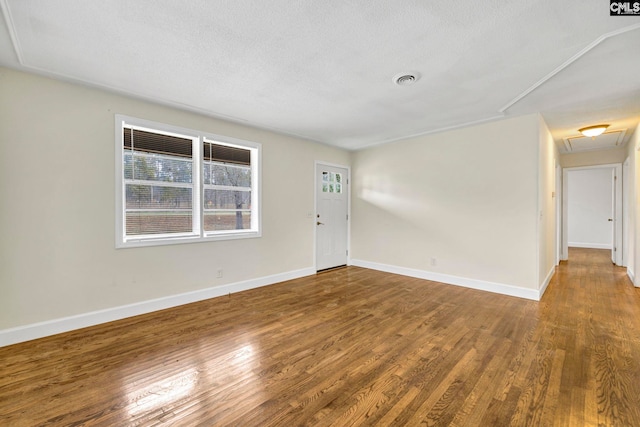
x,y
592,209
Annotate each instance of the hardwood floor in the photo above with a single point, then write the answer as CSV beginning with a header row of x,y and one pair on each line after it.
x,y
348,347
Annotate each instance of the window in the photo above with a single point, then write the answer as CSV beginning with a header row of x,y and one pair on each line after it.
x,y
176,185
227,187
331,182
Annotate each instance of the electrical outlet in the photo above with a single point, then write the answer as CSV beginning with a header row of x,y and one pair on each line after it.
x,y
433,262
219,273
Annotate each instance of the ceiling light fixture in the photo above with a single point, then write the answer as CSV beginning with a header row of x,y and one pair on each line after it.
x,y
405,79
593,131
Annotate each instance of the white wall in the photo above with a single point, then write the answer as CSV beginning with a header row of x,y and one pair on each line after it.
x,y
464,200
591,158
57,245
547,209
631,190
590,205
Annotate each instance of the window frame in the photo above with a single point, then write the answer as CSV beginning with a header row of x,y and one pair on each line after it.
x,y
198,233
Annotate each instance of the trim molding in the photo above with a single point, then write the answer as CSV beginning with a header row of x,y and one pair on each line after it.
x,y
547,280
590,245
568,62
8,19
632,276
431,132
481,285
66,324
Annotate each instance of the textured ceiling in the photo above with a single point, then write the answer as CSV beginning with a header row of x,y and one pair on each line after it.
x,y
602,142
324,70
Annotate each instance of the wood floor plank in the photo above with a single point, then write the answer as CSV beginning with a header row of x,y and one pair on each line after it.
x,y
348,347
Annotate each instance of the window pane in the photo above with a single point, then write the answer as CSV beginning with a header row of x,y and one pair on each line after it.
x,y
227,199
158,197
127,165
331,182
229,175
152,167
227,220
206,173
158,222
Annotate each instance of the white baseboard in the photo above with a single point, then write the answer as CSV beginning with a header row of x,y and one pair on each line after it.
x,y
547,280
632,276
65,324
590,245
482,285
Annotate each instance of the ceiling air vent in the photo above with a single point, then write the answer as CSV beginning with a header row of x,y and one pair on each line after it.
x,y
405,79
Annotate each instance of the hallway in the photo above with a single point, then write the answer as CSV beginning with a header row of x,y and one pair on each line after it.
x,y
590,342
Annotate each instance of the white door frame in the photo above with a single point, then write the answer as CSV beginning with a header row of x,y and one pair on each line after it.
x,y
315,209
625,212
558,207
617,209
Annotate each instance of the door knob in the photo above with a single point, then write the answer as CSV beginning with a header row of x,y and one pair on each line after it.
x,y
610,219
319,223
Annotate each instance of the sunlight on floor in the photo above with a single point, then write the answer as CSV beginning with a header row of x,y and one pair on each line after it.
x,y
148,397
160,393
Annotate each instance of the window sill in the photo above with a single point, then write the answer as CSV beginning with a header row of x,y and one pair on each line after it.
x,y
232,235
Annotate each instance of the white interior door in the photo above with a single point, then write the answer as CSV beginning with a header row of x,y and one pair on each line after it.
x,y
332,195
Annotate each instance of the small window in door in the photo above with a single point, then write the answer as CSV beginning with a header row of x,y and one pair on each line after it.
x,y
331,182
